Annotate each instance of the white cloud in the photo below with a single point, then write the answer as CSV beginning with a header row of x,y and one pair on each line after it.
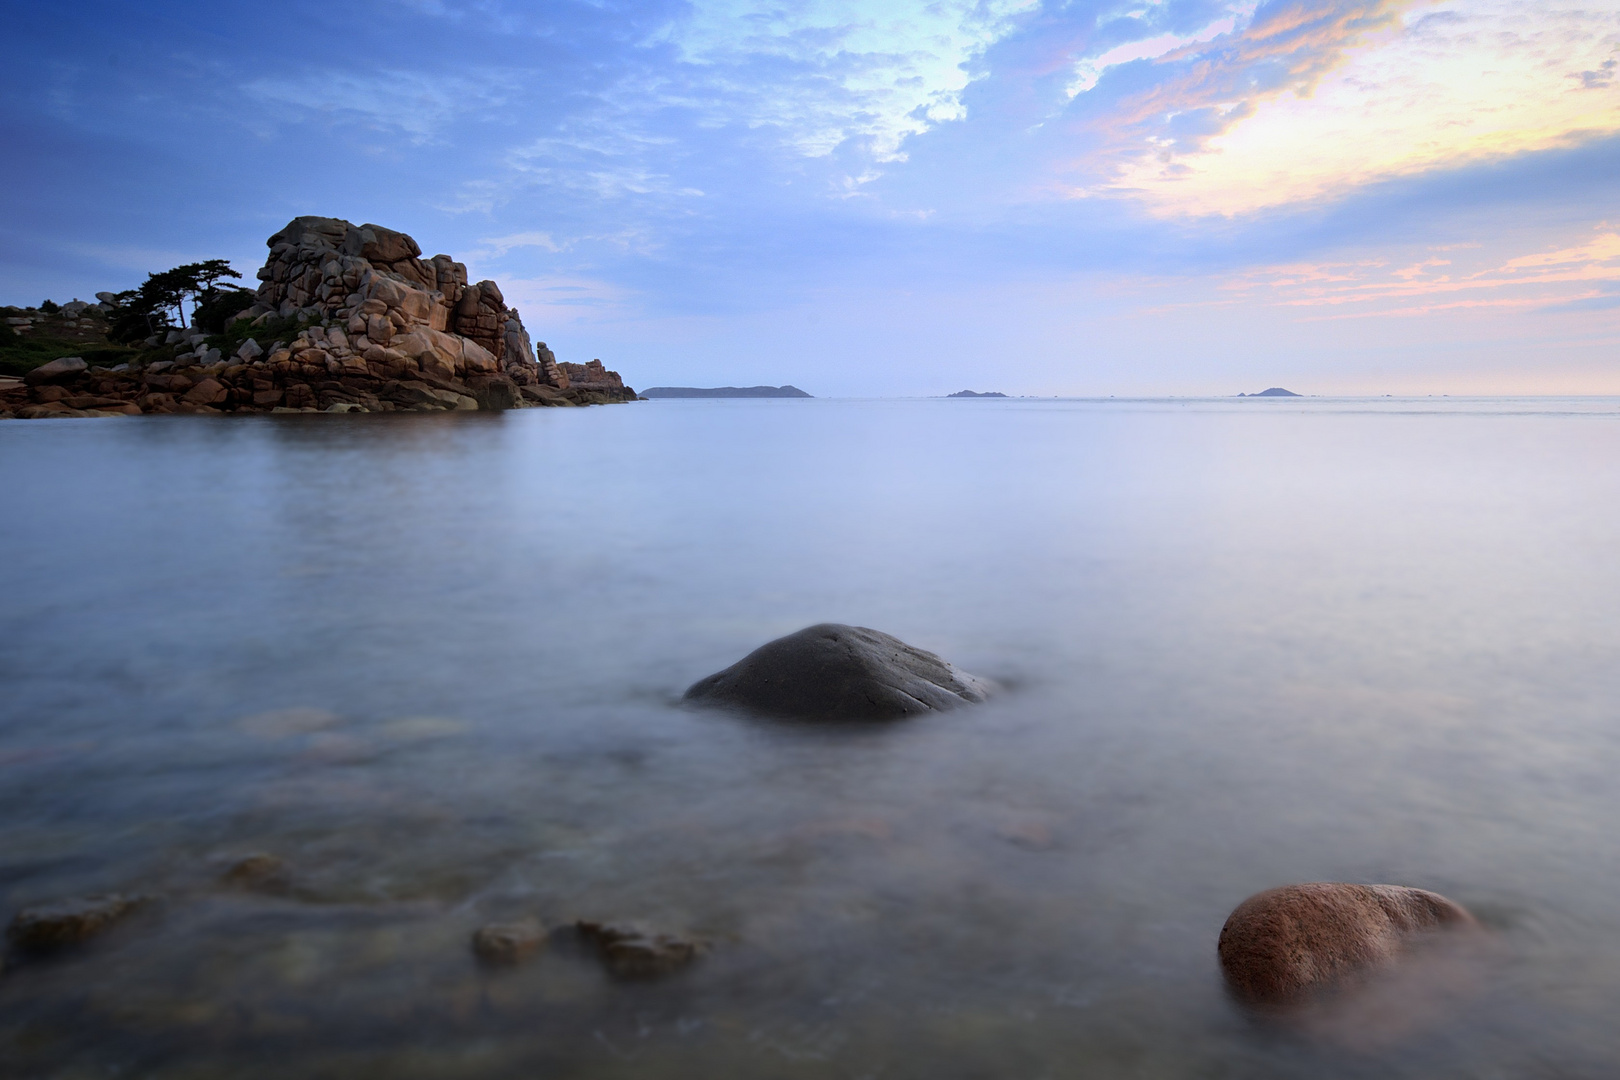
x,y
827,71
1450,84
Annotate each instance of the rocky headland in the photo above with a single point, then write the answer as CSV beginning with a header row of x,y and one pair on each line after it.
x,y
347,318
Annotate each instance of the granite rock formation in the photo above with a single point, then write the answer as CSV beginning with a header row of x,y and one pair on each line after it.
x,y
346,318
1280,945
836,672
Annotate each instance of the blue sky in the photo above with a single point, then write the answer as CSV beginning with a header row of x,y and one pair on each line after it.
x,y
1158,196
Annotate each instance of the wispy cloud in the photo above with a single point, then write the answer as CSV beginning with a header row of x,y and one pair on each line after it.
x,y
1314,98
1568,278
420,105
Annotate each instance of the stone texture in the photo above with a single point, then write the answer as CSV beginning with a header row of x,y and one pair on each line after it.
x,y
1279,945
836,672
207,392
634,951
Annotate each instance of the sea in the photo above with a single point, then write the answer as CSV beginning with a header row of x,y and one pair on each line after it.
x,y
434,664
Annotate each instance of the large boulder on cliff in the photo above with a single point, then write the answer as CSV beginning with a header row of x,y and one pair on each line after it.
x,y
372,282
835,672
56,371
1280,945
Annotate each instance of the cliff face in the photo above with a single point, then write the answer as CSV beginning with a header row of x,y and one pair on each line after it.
x,y
374,282
347,317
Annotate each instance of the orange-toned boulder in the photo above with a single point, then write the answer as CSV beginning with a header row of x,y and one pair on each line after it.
x,y
1279,945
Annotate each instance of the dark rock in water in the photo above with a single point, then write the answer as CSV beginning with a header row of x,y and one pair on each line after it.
x,y
1275,391
68,922
257,871
970,393
1280,944
836,672
632,951
724,392
508,943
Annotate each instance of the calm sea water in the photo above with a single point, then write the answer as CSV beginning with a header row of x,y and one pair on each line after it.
x,y
433,662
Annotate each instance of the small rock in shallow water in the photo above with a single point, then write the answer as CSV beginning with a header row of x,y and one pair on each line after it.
x,y
632,951
835,672
508,943
256,871
1279,945
68,922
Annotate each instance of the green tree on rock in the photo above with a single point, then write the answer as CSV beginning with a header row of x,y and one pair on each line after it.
x,y
140,312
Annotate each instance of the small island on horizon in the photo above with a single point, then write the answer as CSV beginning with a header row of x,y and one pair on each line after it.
x,y
972,393
724,392
1275,391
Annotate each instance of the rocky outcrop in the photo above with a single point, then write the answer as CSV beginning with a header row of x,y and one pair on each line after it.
x,y
1280,945
346,318
836,672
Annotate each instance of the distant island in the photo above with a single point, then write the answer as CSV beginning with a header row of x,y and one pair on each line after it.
x,y
1275,391
971,393
724,391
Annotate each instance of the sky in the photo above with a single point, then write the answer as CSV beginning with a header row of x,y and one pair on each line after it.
x,y
870,198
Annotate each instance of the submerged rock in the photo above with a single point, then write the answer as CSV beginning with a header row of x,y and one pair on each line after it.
x,y
257,871
508,943
633,951
1279,945
68,922
835,672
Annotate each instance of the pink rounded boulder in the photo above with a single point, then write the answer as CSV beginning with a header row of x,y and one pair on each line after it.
x,y
1279,945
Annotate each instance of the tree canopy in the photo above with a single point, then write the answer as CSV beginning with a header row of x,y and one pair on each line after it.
x,y
164,296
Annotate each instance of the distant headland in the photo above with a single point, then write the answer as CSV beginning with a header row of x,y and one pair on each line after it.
x,y
973,393
1275,391
724,392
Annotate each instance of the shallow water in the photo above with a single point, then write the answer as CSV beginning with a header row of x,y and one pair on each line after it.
x,y
433,662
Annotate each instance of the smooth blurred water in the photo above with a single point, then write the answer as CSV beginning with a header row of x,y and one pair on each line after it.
x,y
433,662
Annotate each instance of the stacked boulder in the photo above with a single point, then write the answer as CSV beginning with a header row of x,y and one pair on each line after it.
x,y
379,329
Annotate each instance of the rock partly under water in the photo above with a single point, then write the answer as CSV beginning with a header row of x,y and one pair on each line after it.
x,y
1279,945
61,923
634,951
835,672
261,871
508,943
